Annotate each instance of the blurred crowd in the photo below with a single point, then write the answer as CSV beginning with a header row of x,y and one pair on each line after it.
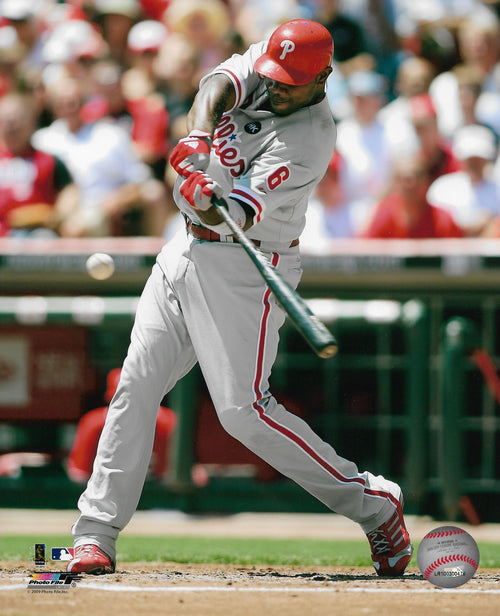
x,y
94,94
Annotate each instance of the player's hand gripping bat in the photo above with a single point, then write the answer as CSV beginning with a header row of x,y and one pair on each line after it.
x,y
312,329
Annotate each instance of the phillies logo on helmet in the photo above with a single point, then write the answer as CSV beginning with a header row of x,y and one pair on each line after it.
x,y
296,52
287,46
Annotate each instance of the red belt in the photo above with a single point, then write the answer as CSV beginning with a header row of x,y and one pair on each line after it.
x,y
202,233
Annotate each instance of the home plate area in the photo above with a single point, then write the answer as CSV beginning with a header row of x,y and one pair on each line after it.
x,y
206,590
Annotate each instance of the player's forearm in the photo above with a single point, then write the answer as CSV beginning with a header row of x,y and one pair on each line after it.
x,y
212,217
216,96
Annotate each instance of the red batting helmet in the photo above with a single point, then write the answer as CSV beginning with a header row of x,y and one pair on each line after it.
x,y
296,52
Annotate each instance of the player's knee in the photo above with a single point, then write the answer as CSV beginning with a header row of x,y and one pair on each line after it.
x,y
236,422
229,421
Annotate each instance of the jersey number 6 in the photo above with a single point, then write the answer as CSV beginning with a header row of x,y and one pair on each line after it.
x,y
279,176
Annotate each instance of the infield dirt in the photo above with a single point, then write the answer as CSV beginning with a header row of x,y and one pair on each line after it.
x,y
232,590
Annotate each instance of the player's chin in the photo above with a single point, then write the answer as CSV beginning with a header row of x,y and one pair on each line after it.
x,y
281,108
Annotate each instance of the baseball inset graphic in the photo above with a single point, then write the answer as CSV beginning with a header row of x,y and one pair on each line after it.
x,y
448,557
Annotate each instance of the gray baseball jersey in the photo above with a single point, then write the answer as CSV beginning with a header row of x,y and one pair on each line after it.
x,y
205,302
269,162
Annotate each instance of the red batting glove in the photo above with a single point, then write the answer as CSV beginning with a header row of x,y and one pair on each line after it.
x,y
198,190
191,153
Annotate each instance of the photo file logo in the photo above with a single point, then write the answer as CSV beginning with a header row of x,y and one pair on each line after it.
x,y
51,579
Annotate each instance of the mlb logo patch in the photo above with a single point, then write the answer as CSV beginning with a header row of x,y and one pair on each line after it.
x,y
62,553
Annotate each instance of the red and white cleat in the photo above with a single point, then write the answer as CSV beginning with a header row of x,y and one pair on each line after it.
x,y
90,559
390,545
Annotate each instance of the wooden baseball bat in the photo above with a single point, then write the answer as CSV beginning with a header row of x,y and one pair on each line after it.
x,y
307,323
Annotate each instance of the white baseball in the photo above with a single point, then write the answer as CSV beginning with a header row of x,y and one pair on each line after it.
x,y
100,265
448,557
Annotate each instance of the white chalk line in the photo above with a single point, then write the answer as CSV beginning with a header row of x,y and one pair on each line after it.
x,y
286,589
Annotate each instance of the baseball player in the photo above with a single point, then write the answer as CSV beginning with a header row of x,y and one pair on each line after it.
x,y
261,135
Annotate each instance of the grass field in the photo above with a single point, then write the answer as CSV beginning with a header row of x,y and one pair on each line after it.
x,y
265,551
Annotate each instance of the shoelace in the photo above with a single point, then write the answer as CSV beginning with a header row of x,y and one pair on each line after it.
x,y
379,541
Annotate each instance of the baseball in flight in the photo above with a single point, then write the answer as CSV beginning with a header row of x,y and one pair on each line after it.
x,y
100,265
